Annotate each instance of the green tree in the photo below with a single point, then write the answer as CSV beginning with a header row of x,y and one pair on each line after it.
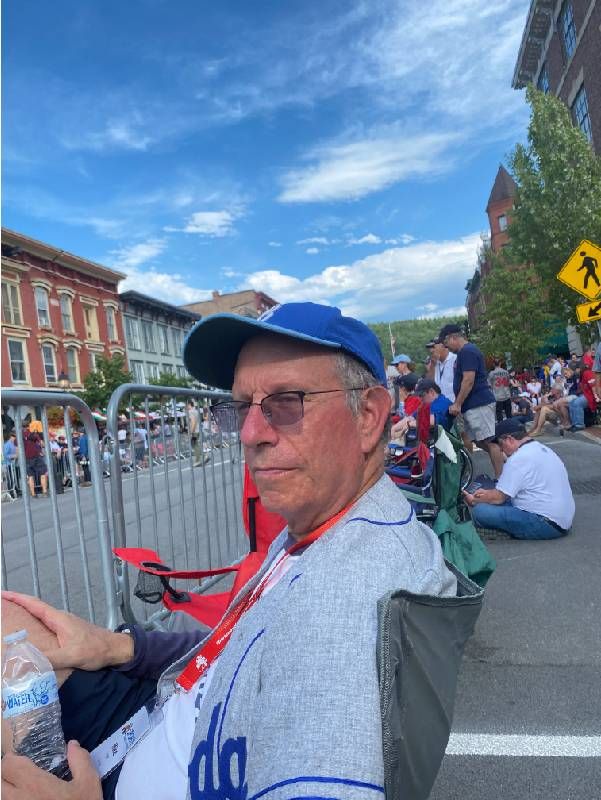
x,y
558,201
99,384
411,335
171,379
516,318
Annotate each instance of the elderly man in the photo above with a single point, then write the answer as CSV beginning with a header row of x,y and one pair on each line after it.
x,y
283,698
532,498
473,396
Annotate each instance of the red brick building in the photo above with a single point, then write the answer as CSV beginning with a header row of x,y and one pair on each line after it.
x,y
561,53
248,303
498,210
60,313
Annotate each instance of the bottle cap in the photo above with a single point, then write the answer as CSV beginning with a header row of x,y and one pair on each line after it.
x,y
18,636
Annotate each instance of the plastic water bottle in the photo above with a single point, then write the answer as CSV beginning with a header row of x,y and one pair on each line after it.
x,y
30,703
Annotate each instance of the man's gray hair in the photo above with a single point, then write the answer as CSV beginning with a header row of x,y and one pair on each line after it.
x,y
353,372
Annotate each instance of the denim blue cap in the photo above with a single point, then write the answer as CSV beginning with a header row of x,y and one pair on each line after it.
x,y
401,359
212,347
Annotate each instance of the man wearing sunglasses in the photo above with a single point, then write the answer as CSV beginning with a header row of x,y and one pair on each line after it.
x,y
284,698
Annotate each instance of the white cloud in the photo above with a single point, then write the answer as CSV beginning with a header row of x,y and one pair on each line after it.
x,y
348,171
274,244
369,238
314,240
383,284
163,285
404,238
312,251
134,255
453,311
211,223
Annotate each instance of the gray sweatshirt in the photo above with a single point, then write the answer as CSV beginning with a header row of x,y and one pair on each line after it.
x,y
294,707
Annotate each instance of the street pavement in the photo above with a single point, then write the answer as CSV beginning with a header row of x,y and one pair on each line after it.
x,y
533,667
528,710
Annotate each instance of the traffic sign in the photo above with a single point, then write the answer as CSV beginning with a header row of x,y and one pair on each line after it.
x,y
582,270
589,312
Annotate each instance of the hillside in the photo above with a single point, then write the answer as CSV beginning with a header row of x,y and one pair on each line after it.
x,y
411,335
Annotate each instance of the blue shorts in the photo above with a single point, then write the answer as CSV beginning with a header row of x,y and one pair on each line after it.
x,y
95,704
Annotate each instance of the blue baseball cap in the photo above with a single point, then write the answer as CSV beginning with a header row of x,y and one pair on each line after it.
x,y
401,359
213,345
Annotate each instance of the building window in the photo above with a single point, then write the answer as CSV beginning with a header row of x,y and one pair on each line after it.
x,y
168,368
164,338
66,313
580,114
543,80
111,325
94,360
137,367
502,220
90,321
132,333
16,354
72,365
153,371
177,341
181,371
567,28
49,363
41,304
148,332
11,306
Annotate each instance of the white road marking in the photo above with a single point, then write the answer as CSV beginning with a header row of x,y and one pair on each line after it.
x,y
522,746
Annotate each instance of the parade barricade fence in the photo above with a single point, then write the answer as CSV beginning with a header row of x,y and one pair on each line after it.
x,y
65,556
180,498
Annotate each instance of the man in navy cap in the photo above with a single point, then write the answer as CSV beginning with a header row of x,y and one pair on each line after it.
x,y
532,498
287,690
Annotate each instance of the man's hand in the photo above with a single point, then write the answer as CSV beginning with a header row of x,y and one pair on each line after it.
x,y
22,780
454,409
81,644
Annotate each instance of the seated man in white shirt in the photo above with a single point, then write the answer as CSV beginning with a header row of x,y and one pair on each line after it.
x,y
532,498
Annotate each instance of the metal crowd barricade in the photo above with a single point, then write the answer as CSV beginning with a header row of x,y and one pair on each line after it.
x,y
181,499
65,556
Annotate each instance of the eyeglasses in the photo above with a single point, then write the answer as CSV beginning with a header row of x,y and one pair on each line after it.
x,y
279,409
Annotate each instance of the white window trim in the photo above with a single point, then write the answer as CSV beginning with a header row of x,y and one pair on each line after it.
x,y
41,284
93,309
68,294
108,307
43,288
75,349
65,290
88,301
52,346
136,321
27,381
11,282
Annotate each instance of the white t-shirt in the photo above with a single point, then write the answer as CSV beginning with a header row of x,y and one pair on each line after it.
x,y
443,375
157,767
536,480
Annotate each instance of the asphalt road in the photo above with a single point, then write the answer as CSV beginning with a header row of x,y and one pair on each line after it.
x,y
533,667
528,710
196,527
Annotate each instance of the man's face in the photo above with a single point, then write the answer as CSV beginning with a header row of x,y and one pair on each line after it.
x,y
402,368
452,343
429,396
508,445
309,470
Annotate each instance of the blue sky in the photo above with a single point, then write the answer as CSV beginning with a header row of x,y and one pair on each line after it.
x,y
329,151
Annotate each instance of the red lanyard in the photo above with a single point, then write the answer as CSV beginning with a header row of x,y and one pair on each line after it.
x,y
218,639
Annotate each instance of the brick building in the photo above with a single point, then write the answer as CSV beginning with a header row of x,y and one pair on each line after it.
x,y
561,53
498,210
154,333
60,313
248,303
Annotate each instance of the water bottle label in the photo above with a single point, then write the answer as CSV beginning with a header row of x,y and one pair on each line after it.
x,y
37,694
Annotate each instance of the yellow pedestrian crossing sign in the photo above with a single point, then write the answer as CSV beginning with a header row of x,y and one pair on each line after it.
x,y
582,270
589,312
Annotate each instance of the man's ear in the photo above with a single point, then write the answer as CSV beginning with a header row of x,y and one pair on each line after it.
x,y
373,416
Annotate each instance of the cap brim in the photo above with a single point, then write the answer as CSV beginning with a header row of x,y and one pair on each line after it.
x,y
213,345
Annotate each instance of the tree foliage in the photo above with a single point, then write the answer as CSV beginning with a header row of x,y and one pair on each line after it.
x,y
516,319
171,379
100,383
558,201
411,335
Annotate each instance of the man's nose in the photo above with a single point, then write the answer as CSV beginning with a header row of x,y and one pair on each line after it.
x,y
256,430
